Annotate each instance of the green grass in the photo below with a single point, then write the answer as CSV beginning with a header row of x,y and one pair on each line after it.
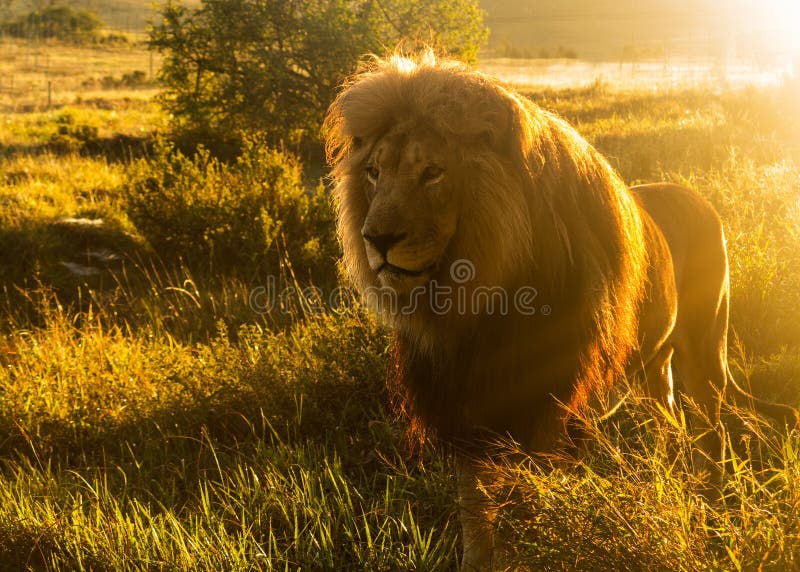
x,y
151,420
633,504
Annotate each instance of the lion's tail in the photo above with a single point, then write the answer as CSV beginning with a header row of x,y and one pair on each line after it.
x,y
785,414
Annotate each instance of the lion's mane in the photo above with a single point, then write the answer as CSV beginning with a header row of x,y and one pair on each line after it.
x,y
542,208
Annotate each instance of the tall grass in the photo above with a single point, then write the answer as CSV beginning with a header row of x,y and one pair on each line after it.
x,y
633,502
152,419
129,451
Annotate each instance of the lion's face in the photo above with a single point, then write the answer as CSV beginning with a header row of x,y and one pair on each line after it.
x,y
413,206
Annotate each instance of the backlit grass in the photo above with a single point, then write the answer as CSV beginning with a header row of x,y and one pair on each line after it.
x,y
150,419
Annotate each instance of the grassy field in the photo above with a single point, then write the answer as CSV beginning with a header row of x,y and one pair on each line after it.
x,y
35,75
151,419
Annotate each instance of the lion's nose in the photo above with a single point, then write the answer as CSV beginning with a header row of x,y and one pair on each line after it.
x,y
382,242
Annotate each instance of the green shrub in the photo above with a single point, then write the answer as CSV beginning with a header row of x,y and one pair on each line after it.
x,y
243,218
73,133
130,80
274,66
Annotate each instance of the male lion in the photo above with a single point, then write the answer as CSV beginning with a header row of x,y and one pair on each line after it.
x,y
456,194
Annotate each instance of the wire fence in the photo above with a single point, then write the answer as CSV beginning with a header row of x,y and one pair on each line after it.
x,y
38,74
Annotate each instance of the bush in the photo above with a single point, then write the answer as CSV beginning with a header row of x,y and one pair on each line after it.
x,y
73,133
274,66
243,218
58,22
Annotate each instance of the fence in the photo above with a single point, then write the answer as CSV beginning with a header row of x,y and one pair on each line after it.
x,y
38,74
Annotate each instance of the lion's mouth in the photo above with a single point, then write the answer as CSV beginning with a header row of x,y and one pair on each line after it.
x,y
399,271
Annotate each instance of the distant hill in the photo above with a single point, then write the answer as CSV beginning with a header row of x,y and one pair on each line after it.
x,y
610,29
589,29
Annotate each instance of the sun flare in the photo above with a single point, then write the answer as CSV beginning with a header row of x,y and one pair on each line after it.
x,y
780,16
768,30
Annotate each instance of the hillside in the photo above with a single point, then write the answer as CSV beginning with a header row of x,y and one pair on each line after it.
x,y
593,30
122,15
602,30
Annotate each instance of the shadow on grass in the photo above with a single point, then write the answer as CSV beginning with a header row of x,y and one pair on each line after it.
x,y
644,155
69,255
596,103
177,445
118,148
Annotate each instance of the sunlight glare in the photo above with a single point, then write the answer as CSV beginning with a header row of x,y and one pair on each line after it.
x,y
778,22
781,15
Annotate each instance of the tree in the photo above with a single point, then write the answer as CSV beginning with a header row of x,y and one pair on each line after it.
x,y
273,66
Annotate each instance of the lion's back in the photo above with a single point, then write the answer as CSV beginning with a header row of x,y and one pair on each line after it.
x,y
691,227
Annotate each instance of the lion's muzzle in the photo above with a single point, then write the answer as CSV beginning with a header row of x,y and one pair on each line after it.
x,y
391,256
381,242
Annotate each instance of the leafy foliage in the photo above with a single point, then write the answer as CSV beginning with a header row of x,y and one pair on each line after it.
x,y
273,65
243,217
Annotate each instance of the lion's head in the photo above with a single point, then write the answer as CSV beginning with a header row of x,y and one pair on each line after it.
x,y
433,164
421,159
412,186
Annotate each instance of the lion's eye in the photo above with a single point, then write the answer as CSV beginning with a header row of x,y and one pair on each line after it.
x,y
372,174
432,174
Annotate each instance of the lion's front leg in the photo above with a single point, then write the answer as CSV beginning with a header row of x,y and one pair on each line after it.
x,y
477,514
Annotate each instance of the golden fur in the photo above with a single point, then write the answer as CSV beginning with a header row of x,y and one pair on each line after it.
x,y
434,164
539,206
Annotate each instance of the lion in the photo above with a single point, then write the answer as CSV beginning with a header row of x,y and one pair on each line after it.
x,y
452,192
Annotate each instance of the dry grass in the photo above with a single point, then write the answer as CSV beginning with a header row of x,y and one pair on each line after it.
x,y
150,419
71,73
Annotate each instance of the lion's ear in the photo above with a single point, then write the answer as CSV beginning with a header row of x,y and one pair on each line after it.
x,y
489,138
501,131
509,132
500,122
358,142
